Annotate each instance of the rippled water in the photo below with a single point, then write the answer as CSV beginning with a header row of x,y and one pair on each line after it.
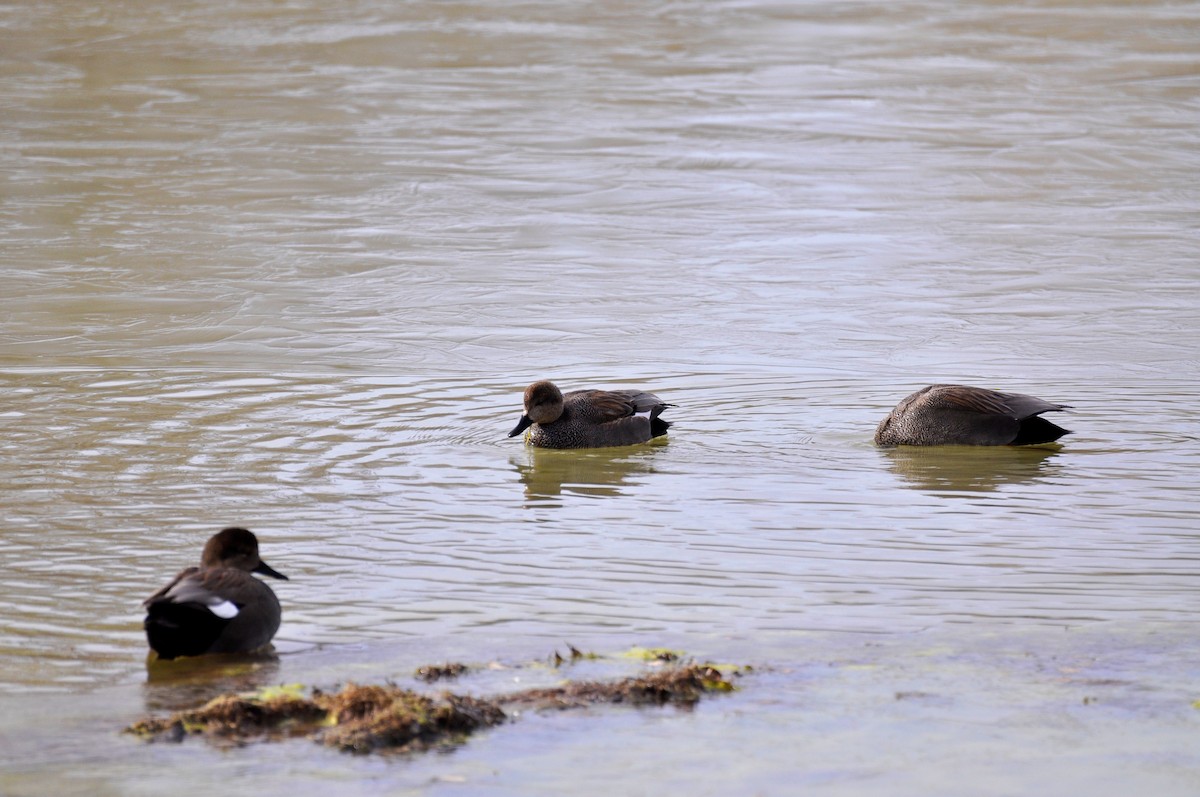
x,y
290,266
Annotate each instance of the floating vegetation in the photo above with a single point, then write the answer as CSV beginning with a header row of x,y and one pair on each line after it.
x,y
637,653
675,685
359,719
237,718
438,672
365,719
370,718
574,654
653,654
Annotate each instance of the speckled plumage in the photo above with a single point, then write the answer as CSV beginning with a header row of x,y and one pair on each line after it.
x,y
941,415
217,607
589,418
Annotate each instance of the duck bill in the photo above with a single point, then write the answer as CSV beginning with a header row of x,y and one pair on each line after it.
x,y
267,570
521,426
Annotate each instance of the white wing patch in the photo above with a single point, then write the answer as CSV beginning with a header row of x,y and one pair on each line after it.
x,y
226,610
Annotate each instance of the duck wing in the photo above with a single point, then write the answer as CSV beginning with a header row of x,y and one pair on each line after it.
x,y
201,611
972,399
170,585
187,617
643,401
604,406
222,590
1028,406
992,402
989,417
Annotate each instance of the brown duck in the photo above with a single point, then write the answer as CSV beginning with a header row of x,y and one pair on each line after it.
x,y
589,418
217,607
941,415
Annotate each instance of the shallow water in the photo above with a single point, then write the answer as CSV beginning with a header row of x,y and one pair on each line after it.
x,y
1067,710
290,267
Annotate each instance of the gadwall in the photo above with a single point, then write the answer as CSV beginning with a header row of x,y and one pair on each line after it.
x,y
589,418
942,415
217,607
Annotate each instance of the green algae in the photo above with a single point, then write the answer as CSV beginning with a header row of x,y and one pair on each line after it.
x,y
370,718
671,685
374,718
653,654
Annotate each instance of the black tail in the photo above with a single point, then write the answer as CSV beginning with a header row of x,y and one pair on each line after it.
x,y
659,427
181,629
1035,430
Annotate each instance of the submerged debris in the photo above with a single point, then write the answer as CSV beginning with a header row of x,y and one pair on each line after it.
x,y
236,717
357,718
436,672
676,685
574,654
365,719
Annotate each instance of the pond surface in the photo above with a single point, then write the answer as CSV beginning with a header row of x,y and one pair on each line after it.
x,y
290,266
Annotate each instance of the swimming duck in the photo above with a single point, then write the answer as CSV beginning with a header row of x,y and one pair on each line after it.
x,y
217,607
589,418
941,415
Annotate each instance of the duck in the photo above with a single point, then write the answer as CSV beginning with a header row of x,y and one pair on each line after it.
x,y
589,418
217,607
941,415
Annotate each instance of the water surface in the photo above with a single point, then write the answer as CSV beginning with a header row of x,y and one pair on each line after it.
x,y
290,267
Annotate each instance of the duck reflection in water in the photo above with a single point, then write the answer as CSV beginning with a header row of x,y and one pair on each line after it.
x,y
189,682
600,472
971,469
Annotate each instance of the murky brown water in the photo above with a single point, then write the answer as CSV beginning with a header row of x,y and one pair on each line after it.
x,y
291,265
